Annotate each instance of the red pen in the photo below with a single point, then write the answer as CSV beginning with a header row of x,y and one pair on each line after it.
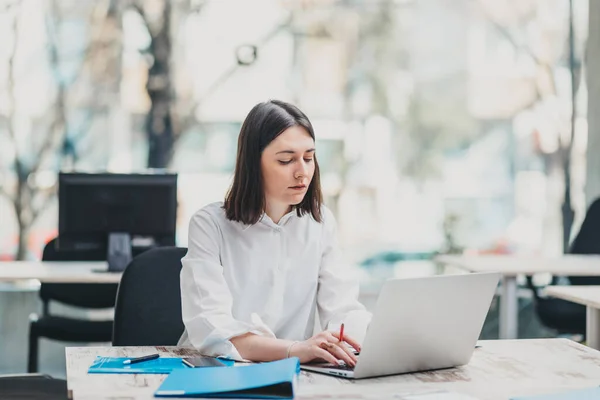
x,y
342,332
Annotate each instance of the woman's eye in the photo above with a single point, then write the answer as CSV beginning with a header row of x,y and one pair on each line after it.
x,y
308,159
282,162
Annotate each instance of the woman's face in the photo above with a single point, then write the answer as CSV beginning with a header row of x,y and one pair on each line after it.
x,y
288,166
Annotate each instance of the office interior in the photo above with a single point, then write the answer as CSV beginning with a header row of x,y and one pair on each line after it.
x,y
460,129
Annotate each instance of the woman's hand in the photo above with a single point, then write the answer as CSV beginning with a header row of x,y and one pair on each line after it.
x,y
325,346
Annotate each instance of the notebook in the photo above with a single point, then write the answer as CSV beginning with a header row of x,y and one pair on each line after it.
x,y
161,365
580,394
272,380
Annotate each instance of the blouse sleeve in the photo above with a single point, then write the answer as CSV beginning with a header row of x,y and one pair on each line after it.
x,y
206,300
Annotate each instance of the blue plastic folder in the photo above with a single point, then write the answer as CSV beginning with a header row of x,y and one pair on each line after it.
x,y
582,394
272,380
161,365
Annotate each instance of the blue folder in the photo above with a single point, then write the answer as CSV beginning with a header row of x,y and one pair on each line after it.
x,y
161,365
581,394
272,380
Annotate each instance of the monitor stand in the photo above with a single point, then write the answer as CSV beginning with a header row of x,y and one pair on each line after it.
x,y
119,251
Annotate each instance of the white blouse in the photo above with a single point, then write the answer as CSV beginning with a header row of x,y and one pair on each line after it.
x,y
266,278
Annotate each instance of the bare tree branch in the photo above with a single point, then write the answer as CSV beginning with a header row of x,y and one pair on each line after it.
x,y
58,123
74,55
504,32
58,127
135,6
11,88
29,201
19,193
35,213
9,5
184,122
82,130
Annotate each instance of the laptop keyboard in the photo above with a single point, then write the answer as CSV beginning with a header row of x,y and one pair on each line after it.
x,y
344,367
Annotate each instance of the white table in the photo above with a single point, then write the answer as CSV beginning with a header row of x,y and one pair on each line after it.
x,y
510,266
500,369
588,296
58,271
26,275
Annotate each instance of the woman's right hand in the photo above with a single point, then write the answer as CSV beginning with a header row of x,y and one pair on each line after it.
x,y
326,346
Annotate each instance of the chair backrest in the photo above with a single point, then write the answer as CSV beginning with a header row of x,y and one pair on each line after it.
x,y
587,241
148,308
88,295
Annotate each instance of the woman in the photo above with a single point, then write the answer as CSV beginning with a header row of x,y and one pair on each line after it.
x,y
262,263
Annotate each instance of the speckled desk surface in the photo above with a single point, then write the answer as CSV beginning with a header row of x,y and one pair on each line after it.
x,y
499,369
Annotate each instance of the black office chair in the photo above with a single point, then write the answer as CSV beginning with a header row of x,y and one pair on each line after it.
x,y
32,387
148,307
564,316
93,296
587,241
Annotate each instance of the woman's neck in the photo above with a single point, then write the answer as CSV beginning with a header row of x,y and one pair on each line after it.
x,y
277,211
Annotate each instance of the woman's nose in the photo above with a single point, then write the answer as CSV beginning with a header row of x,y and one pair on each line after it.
x,y
302,170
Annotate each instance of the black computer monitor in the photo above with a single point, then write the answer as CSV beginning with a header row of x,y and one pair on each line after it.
x,y
110,210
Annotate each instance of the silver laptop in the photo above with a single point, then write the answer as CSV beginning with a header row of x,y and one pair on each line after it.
x,y
421,324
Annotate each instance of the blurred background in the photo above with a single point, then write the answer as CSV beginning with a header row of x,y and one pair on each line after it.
x,y
442,126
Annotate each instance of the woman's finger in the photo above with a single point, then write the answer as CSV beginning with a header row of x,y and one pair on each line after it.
x,y
325,355
347,339
347,350
335,340
339,353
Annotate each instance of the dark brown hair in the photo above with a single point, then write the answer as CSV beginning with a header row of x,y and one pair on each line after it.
x,y
245,200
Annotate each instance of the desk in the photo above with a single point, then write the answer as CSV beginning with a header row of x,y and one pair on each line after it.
x,y
588,296
57,272
499,369
510,266
15,307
